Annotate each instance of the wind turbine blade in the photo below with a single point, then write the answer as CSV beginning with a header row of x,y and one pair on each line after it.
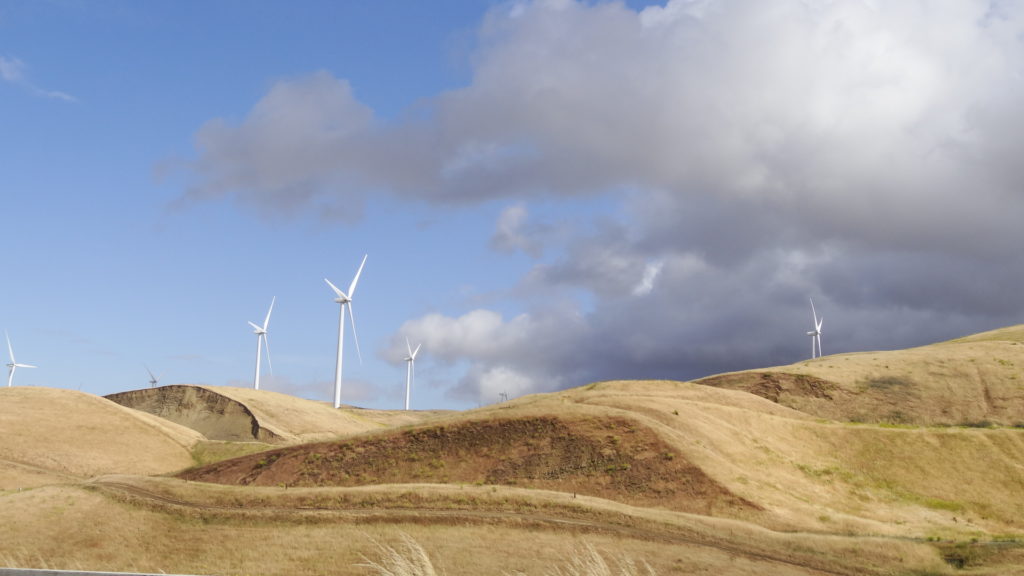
x,y
416,351
255,327
9,349
408,347
26,366
352,286
813,313
266,321
355,336
151,377
336,290
266,340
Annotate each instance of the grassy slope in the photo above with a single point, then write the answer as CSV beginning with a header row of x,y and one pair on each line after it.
x,y
969,381
88,526
226,413
300,420
50,433
820,486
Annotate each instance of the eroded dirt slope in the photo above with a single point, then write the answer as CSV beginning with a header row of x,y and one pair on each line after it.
x,y
245,415
212,414
613,458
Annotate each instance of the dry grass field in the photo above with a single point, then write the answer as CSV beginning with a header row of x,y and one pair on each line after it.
x,y
244,415
903,462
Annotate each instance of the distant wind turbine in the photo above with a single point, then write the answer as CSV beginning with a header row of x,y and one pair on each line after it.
x,y
345,299
13,363
816,333
153,380
261,338
410,373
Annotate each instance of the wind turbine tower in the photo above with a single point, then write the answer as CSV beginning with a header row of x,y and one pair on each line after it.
x,y
410,373
13,364
345,300
153,380
260,332
816,333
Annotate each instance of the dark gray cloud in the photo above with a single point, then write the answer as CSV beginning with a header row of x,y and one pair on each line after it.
x,y
864,153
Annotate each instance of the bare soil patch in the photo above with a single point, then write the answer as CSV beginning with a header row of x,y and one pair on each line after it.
x,y
213,415
613,458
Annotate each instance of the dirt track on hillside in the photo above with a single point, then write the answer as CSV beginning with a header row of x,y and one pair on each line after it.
x,y
581,522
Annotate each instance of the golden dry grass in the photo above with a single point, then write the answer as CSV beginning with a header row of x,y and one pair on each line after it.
x,y
832,496
78,434
973,380
262,531
227,413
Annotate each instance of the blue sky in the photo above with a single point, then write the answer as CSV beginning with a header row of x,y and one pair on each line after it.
x,y
550,192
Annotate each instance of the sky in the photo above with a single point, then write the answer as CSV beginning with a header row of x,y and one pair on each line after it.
x,y
549,192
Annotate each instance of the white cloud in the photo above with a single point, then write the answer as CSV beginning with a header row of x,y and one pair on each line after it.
x,y
646,284
499,380
761,152
301,141
12,70
512,232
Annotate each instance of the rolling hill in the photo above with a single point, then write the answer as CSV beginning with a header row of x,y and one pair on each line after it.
x,y
245,415
974,380
51,434
901,462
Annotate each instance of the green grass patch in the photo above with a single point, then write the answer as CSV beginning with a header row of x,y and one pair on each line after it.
x,y
212,451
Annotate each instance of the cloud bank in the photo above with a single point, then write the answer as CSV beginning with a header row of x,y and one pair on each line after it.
x,y
863,153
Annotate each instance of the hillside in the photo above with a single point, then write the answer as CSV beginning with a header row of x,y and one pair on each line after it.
x,y
685,447
50,434
800,470
245,415
972,381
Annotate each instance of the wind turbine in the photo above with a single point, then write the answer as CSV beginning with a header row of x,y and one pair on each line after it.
x,y
261,337
816,333
345,299
152,379
13,363
410,373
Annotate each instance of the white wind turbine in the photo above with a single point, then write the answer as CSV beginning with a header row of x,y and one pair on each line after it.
x,y
816,333
345,299
153,380
261,338
410,373
13,363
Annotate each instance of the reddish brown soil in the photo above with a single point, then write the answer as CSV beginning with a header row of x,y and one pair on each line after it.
x,y
613,458
774,385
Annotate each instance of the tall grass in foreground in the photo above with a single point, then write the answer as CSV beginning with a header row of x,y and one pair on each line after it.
x,y
410,559
587,561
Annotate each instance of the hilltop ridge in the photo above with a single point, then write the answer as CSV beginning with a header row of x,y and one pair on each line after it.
x,y
976,380
864,463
